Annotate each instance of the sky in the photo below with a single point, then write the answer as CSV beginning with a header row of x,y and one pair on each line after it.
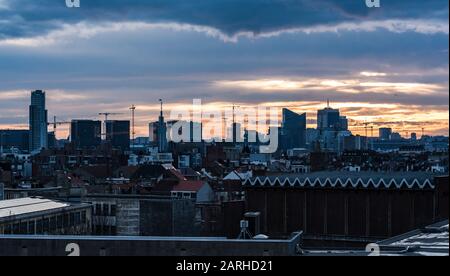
x,y
387,66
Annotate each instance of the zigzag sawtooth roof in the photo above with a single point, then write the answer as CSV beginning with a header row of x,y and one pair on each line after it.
x,y
387,180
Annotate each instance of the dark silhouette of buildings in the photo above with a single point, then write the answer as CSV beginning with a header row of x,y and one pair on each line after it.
x,y
293,130
85,134
118,134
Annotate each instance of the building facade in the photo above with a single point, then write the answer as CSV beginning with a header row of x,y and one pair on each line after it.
x,y
15,138
293,130
347,207
85,134
38,216
38,138
118,134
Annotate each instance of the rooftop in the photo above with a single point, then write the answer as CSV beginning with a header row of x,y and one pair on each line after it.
x,y
188,186
429,241
23,206
342,179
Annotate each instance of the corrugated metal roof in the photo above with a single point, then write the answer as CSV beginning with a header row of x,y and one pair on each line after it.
x,y
398,180
27,205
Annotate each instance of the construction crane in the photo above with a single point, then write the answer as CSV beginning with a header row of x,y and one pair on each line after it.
x,y
55,124
107,114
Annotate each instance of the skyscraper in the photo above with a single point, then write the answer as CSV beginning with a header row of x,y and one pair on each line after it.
x,y
85,134
293,130
343,123
329,119
385,134
118,134
162,131
38,121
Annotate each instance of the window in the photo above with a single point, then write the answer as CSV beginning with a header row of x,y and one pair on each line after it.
x,y
60,222
83,217
39,226
105,210
53,224
113,210
46,225
8,229
23,228
72,219
66,220
31,227
77,218
16,228
98,209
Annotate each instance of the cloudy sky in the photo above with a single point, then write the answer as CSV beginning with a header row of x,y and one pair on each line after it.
x,y
387,66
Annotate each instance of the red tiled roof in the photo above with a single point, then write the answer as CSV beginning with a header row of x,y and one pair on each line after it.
x,y
188,186
178,175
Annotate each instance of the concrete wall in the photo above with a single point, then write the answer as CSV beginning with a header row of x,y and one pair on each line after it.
x,y
205,194
154,246
167,217
128,217
146,216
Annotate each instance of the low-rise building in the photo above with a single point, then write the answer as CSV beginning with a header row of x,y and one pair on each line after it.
x,y
39,216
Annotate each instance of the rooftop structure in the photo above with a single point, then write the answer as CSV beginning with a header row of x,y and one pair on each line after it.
x,y
30,206
395,180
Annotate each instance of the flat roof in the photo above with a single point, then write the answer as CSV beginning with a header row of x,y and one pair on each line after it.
x,y
28,205
432,240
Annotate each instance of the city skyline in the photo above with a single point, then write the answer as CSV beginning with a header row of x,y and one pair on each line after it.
x,y
386,66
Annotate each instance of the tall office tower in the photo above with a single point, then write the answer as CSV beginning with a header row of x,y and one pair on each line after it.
x,y
343,123
38,121
118,134
328,119
86,134
153,132
293,130
385,134
162,131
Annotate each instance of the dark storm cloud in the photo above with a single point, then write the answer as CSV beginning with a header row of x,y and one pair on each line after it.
x,y
24,18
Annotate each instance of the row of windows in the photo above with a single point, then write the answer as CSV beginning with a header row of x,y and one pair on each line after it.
x,y
104,209
184,195
45,225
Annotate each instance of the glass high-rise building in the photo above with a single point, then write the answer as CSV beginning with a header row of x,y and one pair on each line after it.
x,y
38,121
328,119
86,134
293,130
118,134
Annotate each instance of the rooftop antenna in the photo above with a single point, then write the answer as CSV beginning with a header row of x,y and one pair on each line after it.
x,y
133,132
328,103
161,102
244,234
